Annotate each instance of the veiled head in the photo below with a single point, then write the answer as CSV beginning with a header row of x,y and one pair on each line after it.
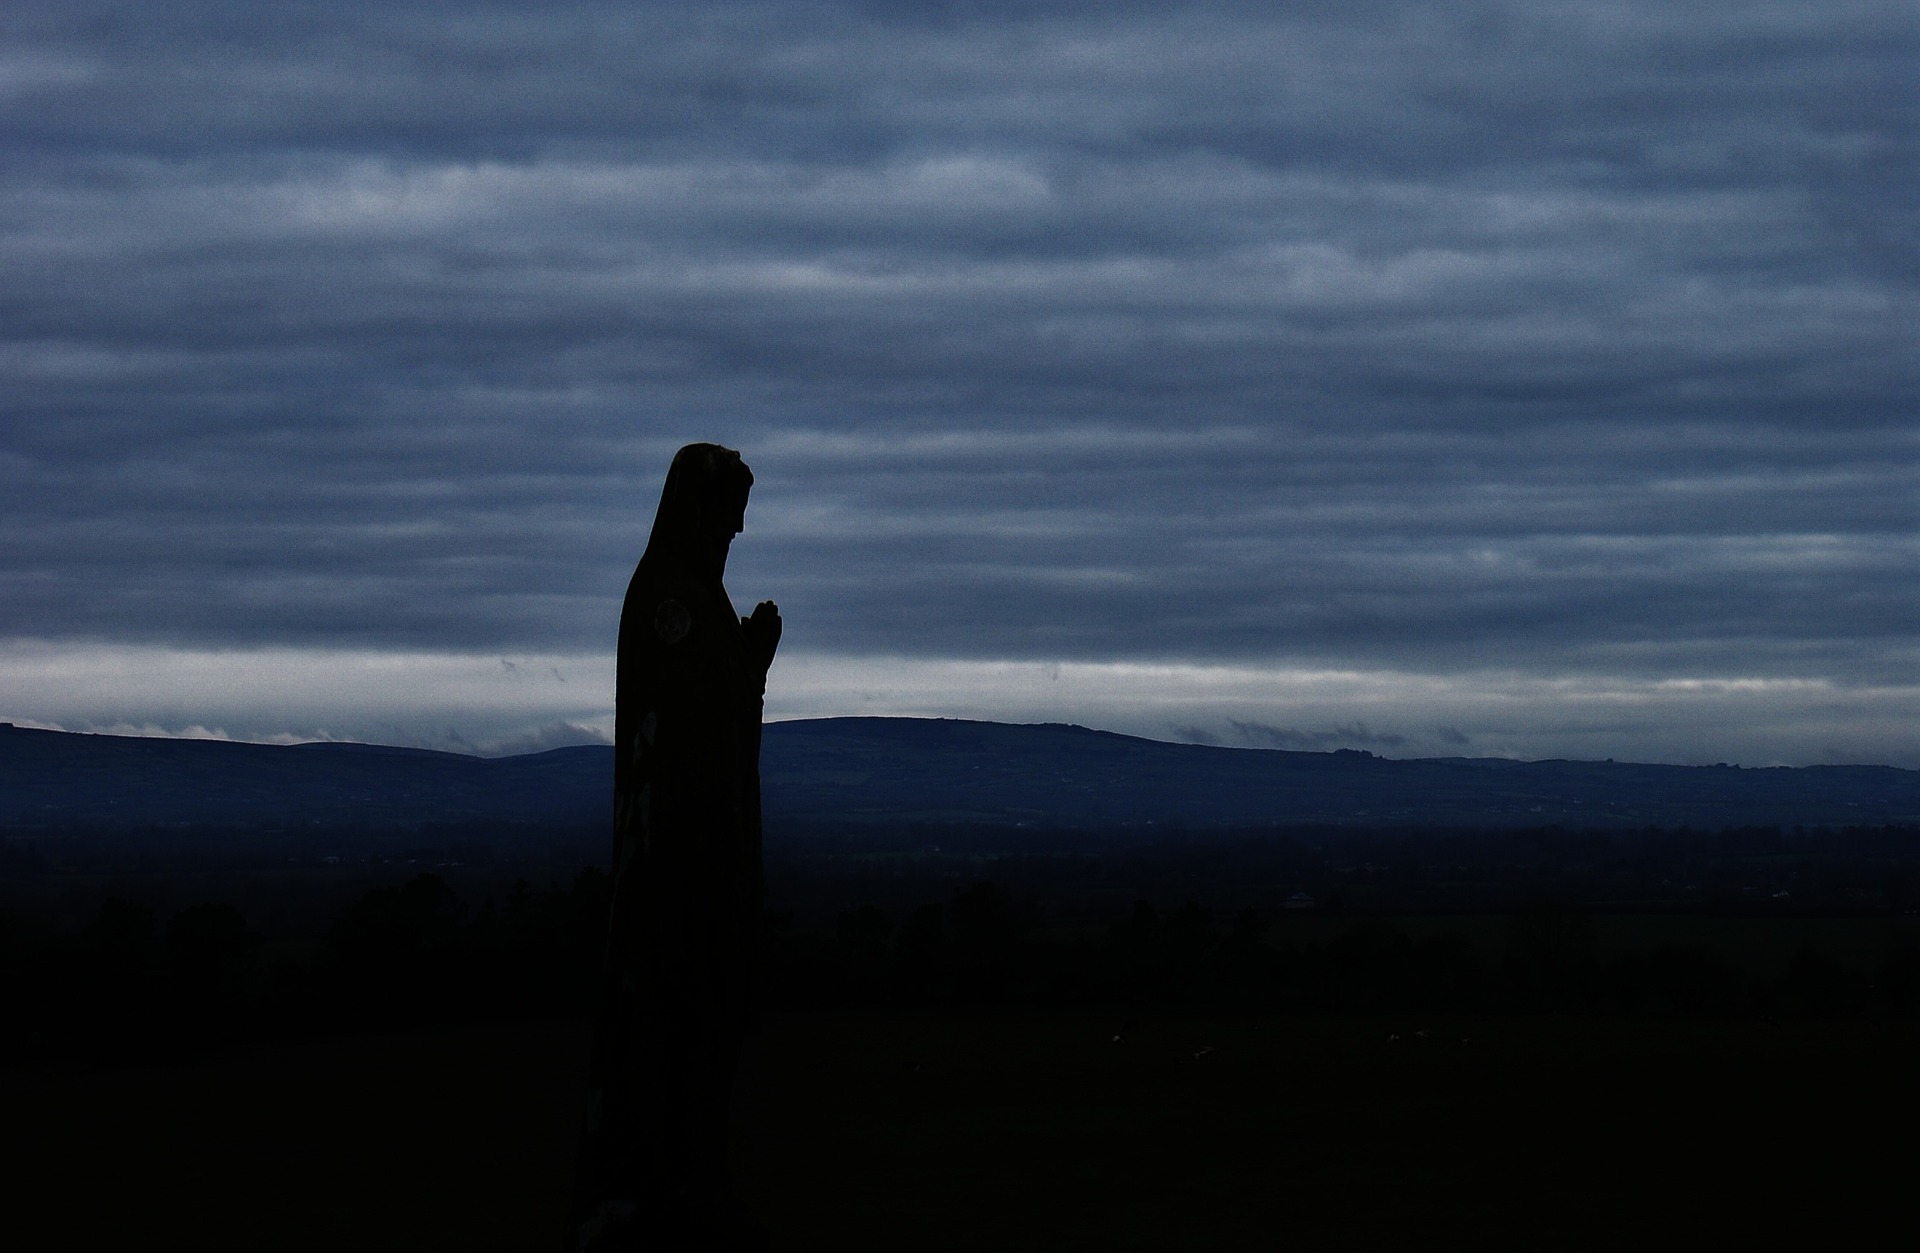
x,y
703,504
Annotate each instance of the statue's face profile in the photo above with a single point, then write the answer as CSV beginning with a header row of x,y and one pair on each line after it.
x,y
705,501
723,493
729,516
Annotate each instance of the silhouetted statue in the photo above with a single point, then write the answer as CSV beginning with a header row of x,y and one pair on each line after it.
x,y
683,939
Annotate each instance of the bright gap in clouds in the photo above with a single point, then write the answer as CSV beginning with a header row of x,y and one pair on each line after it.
x,y
525,703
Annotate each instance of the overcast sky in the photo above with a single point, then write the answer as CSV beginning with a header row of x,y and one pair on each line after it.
x,y
1528,379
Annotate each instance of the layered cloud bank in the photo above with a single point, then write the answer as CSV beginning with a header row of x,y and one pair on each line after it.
x,y
1538,374
499,705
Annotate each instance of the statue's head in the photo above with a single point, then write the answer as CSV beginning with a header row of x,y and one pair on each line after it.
x,y
704,502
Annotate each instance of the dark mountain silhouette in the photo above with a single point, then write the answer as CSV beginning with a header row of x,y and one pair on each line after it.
x,y
909,770
894,769
58,779
872,771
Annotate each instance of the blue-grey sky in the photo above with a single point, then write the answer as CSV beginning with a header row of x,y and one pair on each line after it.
x,y
1532,379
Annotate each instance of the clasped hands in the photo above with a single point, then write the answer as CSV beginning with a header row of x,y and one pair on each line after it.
x,y
762,632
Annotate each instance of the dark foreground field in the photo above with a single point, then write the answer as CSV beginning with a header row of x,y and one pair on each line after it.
x,y
1035,1131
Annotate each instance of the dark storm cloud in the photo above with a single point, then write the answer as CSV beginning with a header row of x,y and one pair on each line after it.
x,y
1559,338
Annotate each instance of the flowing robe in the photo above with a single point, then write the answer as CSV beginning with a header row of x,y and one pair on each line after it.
x,y
683,937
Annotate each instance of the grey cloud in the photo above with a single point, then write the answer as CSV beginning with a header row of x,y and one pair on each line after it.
x,y
556,735
1563,338
536,740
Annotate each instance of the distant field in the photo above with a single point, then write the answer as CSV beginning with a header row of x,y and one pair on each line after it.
x,y
1022,1131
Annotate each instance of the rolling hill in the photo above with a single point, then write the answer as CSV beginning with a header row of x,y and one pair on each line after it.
x,y
901,771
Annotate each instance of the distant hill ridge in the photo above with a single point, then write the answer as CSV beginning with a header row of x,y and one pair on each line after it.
x,y
916,770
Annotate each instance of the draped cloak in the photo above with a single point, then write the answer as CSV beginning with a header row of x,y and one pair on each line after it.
x,y
683,936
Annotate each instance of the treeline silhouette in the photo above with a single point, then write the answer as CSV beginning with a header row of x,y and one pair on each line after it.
x,y
296,880
134,984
